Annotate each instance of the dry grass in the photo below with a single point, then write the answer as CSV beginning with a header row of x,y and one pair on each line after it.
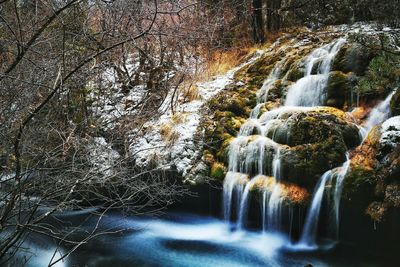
x,y
167,130
168,133
215,63
190,93
178,118
221,61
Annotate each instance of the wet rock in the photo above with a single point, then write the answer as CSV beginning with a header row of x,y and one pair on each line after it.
x,y
395,103
313,140
374,176
337,89
352,58
313,126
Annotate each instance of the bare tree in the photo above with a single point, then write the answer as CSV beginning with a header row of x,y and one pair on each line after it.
x,y
50,51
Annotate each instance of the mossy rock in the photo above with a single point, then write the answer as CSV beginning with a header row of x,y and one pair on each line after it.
x,y
313,126
359,184
304,164
291,194
352,58
382,77
375,170
234,103
313,141
395,103
218,171
295,73
264,65
338,88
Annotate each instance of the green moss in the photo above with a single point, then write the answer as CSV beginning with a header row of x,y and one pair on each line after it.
x,y
382,76
295,73
353,58
337,89
217,171
395,104
359,184
314,126
304,164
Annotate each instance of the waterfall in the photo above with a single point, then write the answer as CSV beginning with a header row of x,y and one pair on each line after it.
x,y
310,90
274,209
308,237
252,154
262,94
276,164
380,113
243,206
338,193
248,154
233,182
250,127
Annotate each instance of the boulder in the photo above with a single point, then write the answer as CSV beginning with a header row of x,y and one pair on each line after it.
x,y
374,177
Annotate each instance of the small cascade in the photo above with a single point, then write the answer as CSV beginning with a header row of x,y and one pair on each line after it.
x,y
308,237
276,164
256,111
338,193
274,208
250,127
242,217
309,234
262,94
233,185
310,90
255,157
380,113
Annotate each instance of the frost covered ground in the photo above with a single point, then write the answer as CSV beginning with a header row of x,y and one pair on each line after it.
x,y
181,152
169,140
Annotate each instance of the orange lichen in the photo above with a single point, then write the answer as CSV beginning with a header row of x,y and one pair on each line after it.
x,y
376,210
359,113
290,192
365,154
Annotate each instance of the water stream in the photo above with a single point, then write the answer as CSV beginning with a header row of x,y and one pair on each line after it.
x,y
309,91
260,157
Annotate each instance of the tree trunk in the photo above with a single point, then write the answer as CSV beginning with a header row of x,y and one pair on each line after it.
x,y
258,24
273,15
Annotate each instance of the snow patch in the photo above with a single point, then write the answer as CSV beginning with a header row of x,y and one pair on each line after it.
x,y
390,130
102,156
181,152
109,111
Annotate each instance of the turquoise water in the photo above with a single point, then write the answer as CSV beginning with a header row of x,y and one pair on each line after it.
x,y
188,240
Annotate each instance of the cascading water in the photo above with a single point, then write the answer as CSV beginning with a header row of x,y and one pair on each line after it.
x,y
254,154
338,193
308,237
310,90
380,113
233,183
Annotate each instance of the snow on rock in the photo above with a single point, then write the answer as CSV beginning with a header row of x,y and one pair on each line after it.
x,y
109,109
170,139
390,130
102,156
